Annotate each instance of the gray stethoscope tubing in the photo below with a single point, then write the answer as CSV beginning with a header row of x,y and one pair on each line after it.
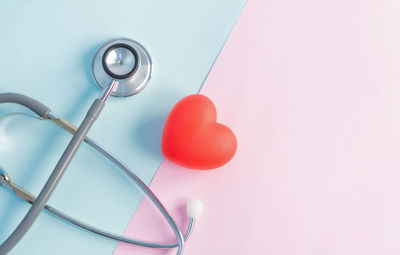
x,y
116,76
54,178
45,111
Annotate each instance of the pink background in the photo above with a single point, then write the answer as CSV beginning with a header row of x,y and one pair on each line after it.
x,y
312,91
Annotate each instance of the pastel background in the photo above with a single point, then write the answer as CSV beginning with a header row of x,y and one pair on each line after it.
x,y
311,89
47,51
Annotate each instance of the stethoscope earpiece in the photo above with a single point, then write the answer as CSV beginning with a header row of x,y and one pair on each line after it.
x,y
194,208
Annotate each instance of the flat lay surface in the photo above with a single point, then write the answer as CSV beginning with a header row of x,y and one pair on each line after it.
x,y
311,90
49,48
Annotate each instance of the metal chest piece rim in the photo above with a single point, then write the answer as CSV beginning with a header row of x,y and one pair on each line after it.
x,y
125,61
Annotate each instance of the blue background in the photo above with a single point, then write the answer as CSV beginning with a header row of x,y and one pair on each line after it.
x,y
47,47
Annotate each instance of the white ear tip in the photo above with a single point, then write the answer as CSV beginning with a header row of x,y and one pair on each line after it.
x,y
194,208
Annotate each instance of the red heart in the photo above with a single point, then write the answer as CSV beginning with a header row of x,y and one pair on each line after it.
x,y
192,138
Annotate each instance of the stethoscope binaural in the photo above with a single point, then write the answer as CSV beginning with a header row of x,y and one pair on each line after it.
x,y
120,67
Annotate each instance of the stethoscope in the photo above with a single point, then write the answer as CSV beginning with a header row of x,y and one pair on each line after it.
x,y
120,68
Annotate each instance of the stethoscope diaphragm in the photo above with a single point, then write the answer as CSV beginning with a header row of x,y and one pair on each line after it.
x,y
125,61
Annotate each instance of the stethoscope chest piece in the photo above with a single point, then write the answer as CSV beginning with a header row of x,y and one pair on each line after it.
x,y
125,61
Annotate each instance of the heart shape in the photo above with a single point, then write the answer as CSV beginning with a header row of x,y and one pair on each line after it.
x,y
192,137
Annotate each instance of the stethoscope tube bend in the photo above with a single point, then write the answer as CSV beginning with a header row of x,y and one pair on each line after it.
x,y
54,178
44,112
120,67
